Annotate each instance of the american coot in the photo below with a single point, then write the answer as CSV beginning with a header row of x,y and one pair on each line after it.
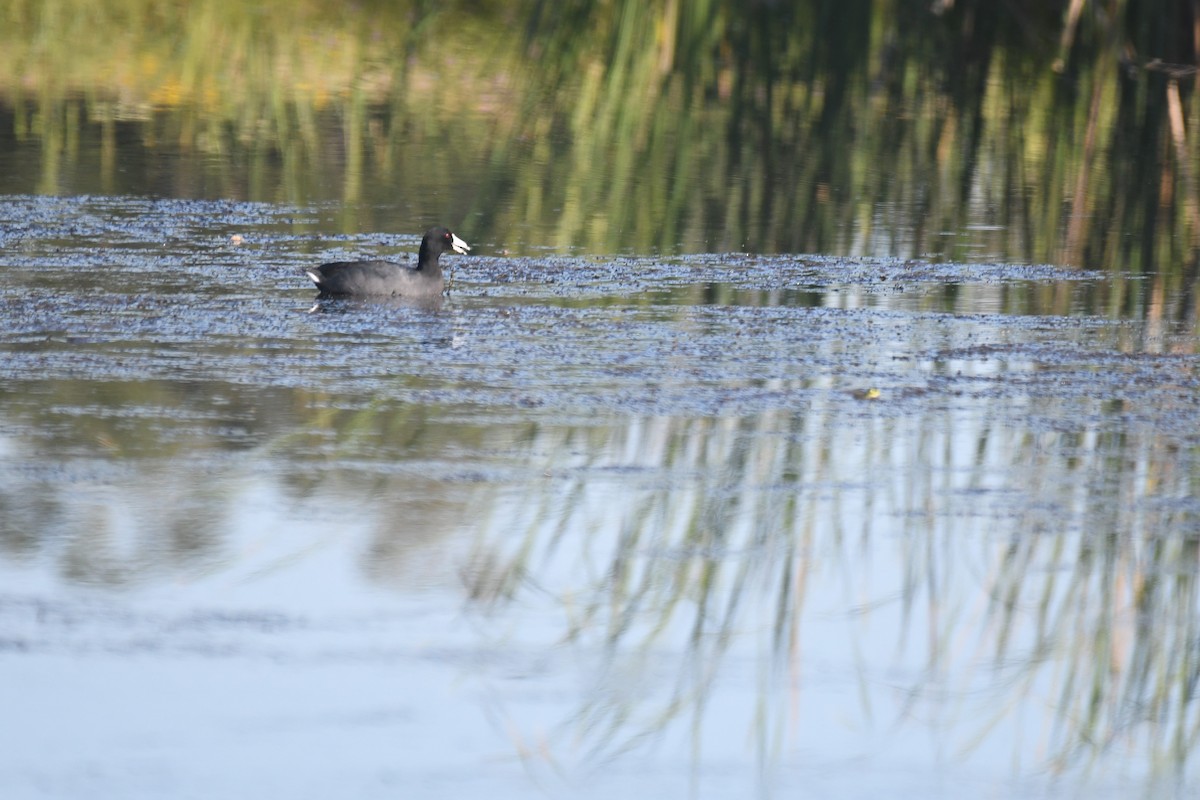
x,y
388,277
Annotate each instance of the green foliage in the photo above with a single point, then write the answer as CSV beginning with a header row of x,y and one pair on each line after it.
x,y
963,130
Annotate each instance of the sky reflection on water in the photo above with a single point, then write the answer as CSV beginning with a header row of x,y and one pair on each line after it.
x,y
782,597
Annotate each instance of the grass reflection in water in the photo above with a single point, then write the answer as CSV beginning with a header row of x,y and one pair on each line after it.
x,y
974,574
977,133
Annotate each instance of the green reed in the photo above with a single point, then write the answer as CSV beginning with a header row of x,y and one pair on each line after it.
x,y
871,126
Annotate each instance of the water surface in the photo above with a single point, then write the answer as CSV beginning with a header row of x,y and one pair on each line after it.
x,y
815,415
703,525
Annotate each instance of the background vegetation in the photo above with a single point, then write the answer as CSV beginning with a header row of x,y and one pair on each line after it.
x,y
1042,131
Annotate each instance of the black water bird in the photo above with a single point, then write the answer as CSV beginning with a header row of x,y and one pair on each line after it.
x,y
388,278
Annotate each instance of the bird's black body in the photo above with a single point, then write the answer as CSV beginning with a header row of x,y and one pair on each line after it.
x,y
388,278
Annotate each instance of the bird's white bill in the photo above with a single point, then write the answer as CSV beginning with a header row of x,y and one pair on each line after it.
x,y
459,245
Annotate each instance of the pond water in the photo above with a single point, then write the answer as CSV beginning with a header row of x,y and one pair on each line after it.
x,y
816,413
708,525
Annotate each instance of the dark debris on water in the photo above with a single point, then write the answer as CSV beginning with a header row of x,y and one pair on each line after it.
x,y
134,289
